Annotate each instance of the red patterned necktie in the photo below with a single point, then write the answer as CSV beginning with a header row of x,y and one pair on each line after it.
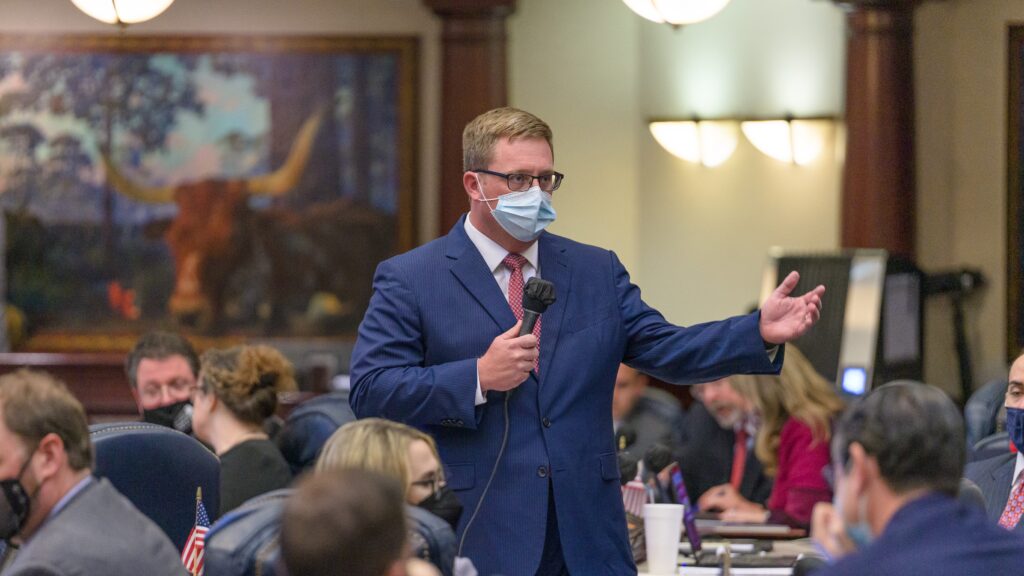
x,y
515,262
1014,508
739,458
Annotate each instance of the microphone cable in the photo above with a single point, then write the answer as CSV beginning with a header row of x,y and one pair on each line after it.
x,y
494,470
541,294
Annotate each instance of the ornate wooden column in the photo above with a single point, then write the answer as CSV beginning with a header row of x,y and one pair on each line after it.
x,y
473,80
878,205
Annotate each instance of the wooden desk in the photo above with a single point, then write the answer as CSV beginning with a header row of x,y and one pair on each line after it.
x,y
96,379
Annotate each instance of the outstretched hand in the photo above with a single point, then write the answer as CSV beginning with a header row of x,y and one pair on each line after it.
x,y
785,317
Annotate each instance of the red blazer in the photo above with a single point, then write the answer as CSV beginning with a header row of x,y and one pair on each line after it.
x,y
799,484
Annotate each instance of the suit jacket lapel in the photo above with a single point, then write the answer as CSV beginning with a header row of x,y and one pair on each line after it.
x,y
554,267
1002,476
469,268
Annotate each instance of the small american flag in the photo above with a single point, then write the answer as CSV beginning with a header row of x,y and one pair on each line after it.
x,y
192,555
634,496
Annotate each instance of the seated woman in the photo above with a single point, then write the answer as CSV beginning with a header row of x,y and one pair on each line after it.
x,y
795,410
399,451
409,456
237,391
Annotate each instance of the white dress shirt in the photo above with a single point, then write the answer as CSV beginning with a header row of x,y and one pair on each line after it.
x,y
493,254
1017,477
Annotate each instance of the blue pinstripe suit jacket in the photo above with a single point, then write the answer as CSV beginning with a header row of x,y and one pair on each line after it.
x,y
994,476
437,308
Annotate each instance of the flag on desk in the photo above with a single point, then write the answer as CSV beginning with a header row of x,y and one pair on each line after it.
x,y
634,496
192,555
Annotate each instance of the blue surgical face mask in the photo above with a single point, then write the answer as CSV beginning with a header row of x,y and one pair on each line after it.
x,y
1015,426
524,215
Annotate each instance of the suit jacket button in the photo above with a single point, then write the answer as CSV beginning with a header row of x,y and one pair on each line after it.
x,y
542,472
546,422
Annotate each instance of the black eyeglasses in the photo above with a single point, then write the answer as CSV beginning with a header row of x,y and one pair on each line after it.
x,y
520,182
433,483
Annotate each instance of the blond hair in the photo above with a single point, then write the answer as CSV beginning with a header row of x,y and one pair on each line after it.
x,y
483,132
374,444
800,392
36,404
247,380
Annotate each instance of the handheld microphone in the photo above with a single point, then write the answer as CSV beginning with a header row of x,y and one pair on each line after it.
x,y
657,458
628,467
537,296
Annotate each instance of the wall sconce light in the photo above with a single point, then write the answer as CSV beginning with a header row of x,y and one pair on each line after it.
x,y
709,142
122,12
676,12
793,141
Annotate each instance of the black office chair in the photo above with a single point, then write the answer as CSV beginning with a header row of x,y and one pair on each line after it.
x,y
310,425
983,411
431,539
158,469
990,447
245,541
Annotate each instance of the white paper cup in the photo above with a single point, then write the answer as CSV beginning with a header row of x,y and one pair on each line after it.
x,y
662,525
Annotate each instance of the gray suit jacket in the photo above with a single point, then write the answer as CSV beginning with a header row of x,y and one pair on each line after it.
x,y
98,532
994,476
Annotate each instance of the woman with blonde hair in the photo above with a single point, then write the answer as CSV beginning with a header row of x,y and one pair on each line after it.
x,y
399,451
237,391
795,411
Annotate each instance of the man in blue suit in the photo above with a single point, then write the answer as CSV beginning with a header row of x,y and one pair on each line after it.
x,y
523,423
1001,479
897,458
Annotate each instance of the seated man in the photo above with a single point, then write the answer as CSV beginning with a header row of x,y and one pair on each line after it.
x,y
67,521
720,432
347,522
1001,479
162,369
654,415
898,455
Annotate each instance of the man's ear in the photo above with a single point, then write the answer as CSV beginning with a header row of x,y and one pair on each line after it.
x,y
49,457
862,468
471,182
396,569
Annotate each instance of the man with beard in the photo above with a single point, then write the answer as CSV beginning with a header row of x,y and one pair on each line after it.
x,y
720,431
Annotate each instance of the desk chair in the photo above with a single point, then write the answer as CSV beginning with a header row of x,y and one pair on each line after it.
x,y
245,541
431,539
158,469
310,425
990,447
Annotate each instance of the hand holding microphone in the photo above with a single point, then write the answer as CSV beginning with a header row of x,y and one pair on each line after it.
x,y
508,361
511,356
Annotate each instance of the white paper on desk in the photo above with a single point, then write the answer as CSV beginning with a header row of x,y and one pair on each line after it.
x,y
716,571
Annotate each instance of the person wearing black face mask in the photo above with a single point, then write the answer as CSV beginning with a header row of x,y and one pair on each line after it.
x,y
1001,479
51,505
162,369
405,454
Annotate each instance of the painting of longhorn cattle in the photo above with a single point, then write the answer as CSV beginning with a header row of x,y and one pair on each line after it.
x,y
218,186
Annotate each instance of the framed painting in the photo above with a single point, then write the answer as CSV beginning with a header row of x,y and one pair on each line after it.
x,y
1015,195
226,187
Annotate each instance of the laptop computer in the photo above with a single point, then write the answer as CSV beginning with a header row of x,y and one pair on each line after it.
x,y
721,556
